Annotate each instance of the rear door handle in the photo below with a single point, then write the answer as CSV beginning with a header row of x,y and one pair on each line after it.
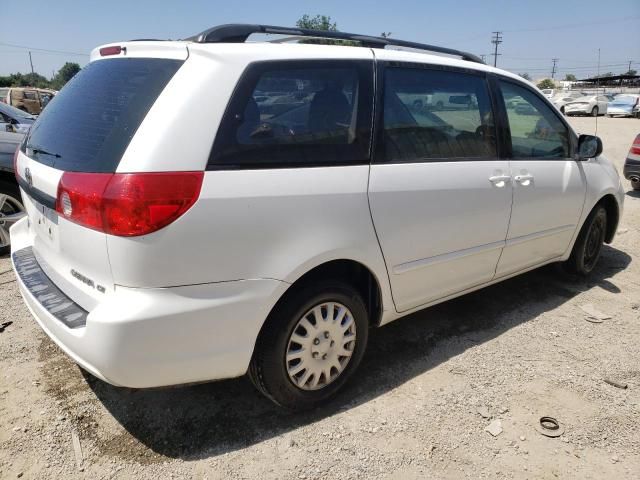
x,y
500,180
524,180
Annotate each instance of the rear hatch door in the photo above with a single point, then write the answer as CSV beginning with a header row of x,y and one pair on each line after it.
x,y
86,128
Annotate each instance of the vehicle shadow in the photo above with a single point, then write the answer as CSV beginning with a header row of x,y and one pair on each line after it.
x,y
210,419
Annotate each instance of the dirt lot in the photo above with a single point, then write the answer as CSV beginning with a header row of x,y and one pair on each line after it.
x,y
515,352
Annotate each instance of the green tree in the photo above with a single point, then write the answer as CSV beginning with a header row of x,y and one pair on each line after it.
x,y
546,83
385,34
570,77
319,22
66,73
632,72
526,76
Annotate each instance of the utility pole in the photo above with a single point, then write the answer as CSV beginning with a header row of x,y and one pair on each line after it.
x,y
630,62
553,69
497,40
31,62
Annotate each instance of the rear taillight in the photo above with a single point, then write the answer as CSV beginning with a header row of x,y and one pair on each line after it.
x,y
127,204
635,148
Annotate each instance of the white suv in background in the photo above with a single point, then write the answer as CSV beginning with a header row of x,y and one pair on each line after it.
x,y
184,228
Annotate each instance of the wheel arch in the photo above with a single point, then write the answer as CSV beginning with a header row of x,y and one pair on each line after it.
x,y
610,204
354,272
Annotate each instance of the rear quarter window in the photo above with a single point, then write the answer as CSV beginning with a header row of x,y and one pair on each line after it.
x,y
89,124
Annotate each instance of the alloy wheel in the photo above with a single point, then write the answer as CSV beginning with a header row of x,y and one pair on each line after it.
x,y
11,210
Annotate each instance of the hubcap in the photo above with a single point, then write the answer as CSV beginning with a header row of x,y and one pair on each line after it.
x,y
594,241
320,346
11,210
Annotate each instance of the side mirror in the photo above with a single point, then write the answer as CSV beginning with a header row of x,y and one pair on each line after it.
x,y
589,146
9,127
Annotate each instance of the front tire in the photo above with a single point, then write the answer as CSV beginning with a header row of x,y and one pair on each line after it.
x,y
312,343
594,112
588,246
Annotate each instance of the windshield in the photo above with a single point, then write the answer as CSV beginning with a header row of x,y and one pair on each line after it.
x,y
583,99
624,100
16,113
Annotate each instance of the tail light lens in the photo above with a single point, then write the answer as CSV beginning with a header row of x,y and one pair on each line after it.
x,y
635,148
127,204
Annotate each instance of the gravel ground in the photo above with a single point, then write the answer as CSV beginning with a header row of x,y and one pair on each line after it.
x,y
512,353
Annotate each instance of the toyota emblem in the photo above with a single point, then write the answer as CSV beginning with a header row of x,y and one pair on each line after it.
x,y
27,175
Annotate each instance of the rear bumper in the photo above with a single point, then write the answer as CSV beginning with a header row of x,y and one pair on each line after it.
x,y
631,168
160,336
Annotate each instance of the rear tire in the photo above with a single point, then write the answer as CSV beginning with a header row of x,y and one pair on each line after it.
x,y
594,112
10,204
280,364
635,185
588,246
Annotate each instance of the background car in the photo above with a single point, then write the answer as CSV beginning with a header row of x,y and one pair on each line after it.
x,y
562,99
632,164
28,99
593,105
3,94
14,120
11,206
623,105
548,92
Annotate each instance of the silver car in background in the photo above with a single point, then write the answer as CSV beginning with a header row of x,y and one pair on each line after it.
x,y
11,206
593,105
623,105
563,98
14,120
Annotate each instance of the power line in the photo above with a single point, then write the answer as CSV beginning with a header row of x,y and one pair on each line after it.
x,y
497,40
590,67
43,49
575,25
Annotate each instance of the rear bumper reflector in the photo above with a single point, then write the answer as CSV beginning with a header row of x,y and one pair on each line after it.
x,y
45,291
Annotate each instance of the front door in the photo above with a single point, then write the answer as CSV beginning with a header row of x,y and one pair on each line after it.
x,y
548,185
440,197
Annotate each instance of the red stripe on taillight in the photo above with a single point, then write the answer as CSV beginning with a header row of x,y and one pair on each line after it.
x,y
635,148
127,204
114,50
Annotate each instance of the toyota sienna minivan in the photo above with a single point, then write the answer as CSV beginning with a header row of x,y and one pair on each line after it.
x,y
205,208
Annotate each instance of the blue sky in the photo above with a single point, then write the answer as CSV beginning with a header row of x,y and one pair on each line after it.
x,y
534,32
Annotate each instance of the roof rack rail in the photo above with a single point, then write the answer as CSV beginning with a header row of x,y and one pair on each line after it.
x,y
238,33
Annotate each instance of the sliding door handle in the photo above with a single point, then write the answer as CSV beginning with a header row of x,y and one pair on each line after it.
x,y
500,180
524,180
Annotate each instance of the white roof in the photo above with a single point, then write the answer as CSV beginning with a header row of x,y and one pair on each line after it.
x,y
255,51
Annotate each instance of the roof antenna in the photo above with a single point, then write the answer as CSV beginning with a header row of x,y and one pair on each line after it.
x,y
597,91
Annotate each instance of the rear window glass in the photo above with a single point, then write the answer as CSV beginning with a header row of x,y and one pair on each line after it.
x,y
301,113
89,124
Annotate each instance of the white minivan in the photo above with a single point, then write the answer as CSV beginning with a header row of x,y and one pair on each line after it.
x,y
183,227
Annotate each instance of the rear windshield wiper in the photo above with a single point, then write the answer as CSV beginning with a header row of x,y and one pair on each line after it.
x,y
38,151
